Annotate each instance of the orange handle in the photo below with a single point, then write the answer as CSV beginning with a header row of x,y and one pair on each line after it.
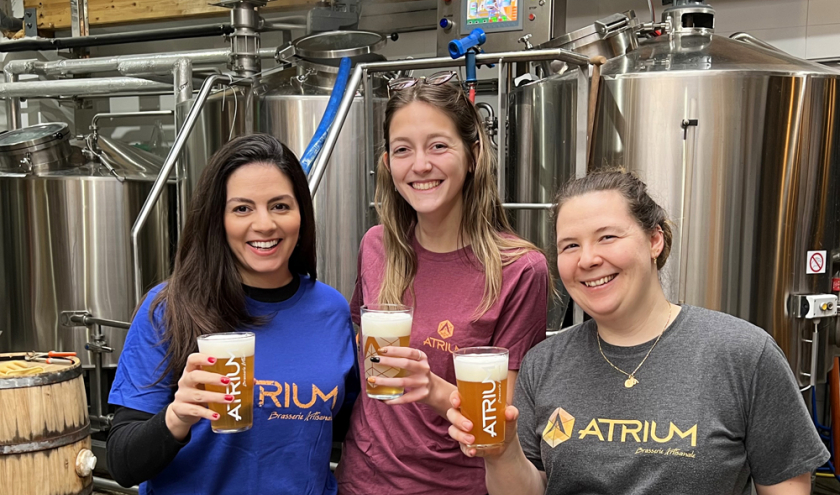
x,y
61,354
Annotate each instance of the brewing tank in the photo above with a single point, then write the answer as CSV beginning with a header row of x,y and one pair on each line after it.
x,y
65,245
740,144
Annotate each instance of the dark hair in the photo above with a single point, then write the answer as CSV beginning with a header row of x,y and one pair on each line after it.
x,y
648,214
204,294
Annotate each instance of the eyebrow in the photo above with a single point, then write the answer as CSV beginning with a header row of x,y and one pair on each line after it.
x,y
251,202
597,231
435,135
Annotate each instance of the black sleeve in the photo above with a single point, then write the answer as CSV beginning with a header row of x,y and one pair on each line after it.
x,y
140,446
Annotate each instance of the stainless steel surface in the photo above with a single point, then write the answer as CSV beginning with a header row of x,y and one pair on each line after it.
x,y
751,188
64,246
748,38
70,86
549,21
13,115
129,161
79,24
609,37
543,156
38,148
342,215
94,123
338,44
160,183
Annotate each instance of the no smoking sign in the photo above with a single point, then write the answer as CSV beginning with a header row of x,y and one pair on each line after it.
x,y
815,262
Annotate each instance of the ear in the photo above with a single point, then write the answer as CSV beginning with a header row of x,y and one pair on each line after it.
x,y
386,161
657,243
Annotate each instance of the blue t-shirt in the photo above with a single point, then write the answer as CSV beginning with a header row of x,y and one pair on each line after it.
x,y
306,371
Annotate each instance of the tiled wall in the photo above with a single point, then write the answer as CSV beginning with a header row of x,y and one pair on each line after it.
x,y
805,28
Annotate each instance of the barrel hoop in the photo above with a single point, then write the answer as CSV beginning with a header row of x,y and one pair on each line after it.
x,y
86,490
42,379
52,443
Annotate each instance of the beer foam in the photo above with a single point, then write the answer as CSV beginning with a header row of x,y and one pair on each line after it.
x,y
388,325
221,345
481,367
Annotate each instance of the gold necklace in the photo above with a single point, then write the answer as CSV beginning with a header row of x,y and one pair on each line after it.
x,y
631,377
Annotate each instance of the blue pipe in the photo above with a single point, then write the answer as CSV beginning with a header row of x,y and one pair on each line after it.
x,y
317,142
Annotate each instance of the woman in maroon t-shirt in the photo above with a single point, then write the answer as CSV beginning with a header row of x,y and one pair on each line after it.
x,y
445,247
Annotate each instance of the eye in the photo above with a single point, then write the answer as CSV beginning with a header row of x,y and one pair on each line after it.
x,y
567,247
281,206
400,150
241,209
608,237
439,146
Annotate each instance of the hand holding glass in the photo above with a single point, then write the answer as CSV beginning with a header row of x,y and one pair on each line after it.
x,y
384,325
481,373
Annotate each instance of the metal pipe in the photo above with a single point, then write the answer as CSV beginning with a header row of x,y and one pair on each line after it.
x,y
182,80
13,116
528,206
748,38
120,115
154,63
76,86
163,176
114,486
429,63
89,320
116,38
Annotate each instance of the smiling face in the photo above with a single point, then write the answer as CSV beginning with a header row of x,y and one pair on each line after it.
x,y
262,222
604,257
428,160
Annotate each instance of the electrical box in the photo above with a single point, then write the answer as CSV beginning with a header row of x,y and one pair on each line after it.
x,y
504,21
813,306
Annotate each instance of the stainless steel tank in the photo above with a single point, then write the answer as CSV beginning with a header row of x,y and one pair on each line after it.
x,y
740,144
542,156
289,105
65,246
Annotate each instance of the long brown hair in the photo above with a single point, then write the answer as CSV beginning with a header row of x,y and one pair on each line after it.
x,y
204,294
483,223
647,213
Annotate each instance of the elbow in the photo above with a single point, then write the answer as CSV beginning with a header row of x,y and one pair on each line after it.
x,y
119,469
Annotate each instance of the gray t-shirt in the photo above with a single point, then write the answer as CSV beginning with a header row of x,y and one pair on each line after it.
x,y
716,406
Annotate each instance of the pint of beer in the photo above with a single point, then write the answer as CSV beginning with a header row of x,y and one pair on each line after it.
x,y
481,373
384,325
234,353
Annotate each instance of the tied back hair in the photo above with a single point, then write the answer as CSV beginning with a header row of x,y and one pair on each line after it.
x,y
204,295
647,213
483,225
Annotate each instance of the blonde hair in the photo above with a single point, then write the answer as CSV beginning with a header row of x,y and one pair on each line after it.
x,y
483,222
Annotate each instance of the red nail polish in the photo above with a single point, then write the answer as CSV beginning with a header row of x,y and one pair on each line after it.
x,y
229,398
211,360
225,380
215,415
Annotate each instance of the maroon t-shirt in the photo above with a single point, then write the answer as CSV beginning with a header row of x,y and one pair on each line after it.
x,y
405,449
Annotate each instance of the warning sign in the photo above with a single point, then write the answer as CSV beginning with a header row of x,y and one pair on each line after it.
x,y
815,262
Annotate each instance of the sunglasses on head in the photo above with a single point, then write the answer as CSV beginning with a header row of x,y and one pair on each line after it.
x,y
435,79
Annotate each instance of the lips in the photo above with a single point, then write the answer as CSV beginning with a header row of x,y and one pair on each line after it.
x,y
425,185
599,281
264,245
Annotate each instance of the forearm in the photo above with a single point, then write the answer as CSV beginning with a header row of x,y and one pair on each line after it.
x,y
140,446
512,472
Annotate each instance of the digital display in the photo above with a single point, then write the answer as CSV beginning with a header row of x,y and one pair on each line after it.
x,y
487,13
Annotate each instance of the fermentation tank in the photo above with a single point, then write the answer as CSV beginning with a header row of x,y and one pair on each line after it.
x,y
64,242
741,145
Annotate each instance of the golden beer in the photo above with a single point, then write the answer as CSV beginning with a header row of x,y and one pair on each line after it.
x,y
481,373
234,353
384,325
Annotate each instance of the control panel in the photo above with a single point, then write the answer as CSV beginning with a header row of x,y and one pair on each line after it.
x,y
504,21
814,306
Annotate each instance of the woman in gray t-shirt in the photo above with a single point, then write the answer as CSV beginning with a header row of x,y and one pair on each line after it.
x,y
648,396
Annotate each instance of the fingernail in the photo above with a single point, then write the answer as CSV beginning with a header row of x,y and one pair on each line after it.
x,y
225,380
467,425
215,415
371,380
374,359
229,398
211,360
383,351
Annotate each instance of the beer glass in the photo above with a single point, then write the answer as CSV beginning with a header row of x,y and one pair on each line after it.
x,y
234,353
384,325
481,373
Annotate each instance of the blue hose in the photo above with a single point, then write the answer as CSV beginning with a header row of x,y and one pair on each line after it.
x,y
317,142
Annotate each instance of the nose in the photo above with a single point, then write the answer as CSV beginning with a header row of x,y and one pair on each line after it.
x,y
263,221
589,257
421,164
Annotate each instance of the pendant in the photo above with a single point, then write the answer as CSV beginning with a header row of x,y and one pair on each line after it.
x,y
630,381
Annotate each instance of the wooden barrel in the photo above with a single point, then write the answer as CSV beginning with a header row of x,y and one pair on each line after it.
x,y
44,428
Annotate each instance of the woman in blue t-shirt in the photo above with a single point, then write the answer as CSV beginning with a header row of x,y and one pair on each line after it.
x,y
246,261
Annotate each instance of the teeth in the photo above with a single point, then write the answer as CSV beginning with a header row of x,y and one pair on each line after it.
x,y
264,245
600,281
425,185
